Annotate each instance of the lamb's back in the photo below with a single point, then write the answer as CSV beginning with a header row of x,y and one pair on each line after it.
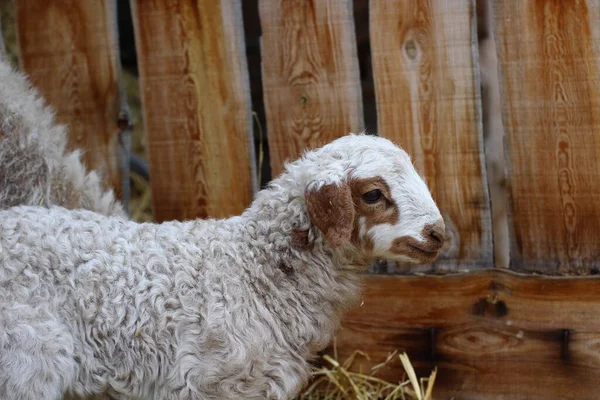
x,y
85,254
54,244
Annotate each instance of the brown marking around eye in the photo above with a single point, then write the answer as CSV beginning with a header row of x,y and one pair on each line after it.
x,y
330,213
384,211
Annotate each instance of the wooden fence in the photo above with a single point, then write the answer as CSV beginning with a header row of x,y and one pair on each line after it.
x,y
493,333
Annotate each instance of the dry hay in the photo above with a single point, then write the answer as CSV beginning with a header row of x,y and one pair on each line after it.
x,y
339,381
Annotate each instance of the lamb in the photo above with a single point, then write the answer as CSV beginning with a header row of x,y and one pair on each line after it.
x,y
230,308
35,167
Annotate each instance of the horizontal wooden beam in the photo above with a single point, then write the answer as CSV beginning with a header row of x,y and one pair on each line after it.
x,y
490,333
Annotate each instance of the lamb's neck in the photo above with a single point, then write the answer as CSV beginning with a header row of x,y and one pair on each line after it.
x,y
279,215
281,201
320,280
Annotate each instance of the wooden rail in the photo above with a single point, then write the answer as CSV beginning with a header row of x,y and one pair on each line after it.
x,y
492,333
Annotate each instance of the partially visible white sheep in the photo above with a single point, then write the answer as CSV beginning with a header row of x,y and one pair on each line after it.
x,y
205,309
35,168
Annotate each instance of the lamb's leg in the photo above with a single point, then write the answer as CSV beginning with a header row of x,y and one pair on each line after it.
x,y
36,354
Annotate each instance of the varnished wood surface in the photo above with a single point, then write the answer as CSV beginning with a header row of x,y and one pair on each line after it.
x,y
196,100
427,90
549,55
311,79
69,50
493,334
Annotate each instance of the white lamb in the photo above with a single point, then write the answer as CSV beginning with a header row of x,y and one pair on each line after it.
x,y
35,167
205,309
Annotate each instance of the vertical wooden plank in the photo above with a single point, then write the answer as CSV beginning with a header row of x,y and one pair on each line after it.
x,y
196,98
549,51
311,76
427,90
69,50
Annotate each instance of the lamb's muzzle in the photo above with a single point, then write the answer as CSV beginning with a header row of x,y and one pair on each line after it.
x,y
436,233
206,309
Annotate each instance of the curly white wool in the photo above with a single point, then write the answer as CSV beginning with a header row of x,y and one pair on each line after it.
x,y
204,309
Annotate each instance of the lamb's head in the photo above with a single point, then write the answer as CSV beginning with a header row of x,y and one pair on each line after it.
x,y
363,193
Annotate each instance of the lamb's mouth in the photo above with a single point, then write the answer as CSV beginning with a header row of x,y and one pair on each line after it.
x,y
422,250
421,254
413,249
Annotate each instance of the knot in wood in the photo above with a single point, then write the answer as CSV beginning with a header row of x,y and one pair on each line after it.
x,y
490,306
410,47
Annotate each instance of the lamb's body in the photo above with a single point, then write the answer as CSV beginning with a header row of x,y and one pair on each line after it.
x,y
205,309
197,309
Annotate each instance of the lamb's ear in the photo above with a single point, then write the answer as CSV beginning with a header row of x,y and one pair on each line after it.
x,y
331,210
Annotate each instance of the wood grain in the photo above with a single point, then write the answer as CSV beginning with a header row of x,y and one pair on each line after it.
x,y
311,77
427,90
196,99
493,333
549,54
69,50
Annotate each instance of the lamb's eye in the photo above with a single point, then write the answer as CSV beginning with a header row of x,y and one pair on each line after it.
x,y
372,197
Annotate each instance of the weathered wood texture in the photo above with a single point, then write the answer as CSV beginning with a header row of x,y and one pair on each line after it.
x,y
549,54
69,50
196,97
492,333
311,78
427,90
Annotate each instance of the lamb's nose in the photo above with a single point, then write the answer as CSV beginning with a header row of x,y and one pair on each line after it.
x,y
436,234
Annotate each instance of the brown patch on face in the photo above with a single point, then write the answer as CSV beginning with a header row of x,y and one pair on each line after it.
x,y
331,210
384,211
336,210
368,243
